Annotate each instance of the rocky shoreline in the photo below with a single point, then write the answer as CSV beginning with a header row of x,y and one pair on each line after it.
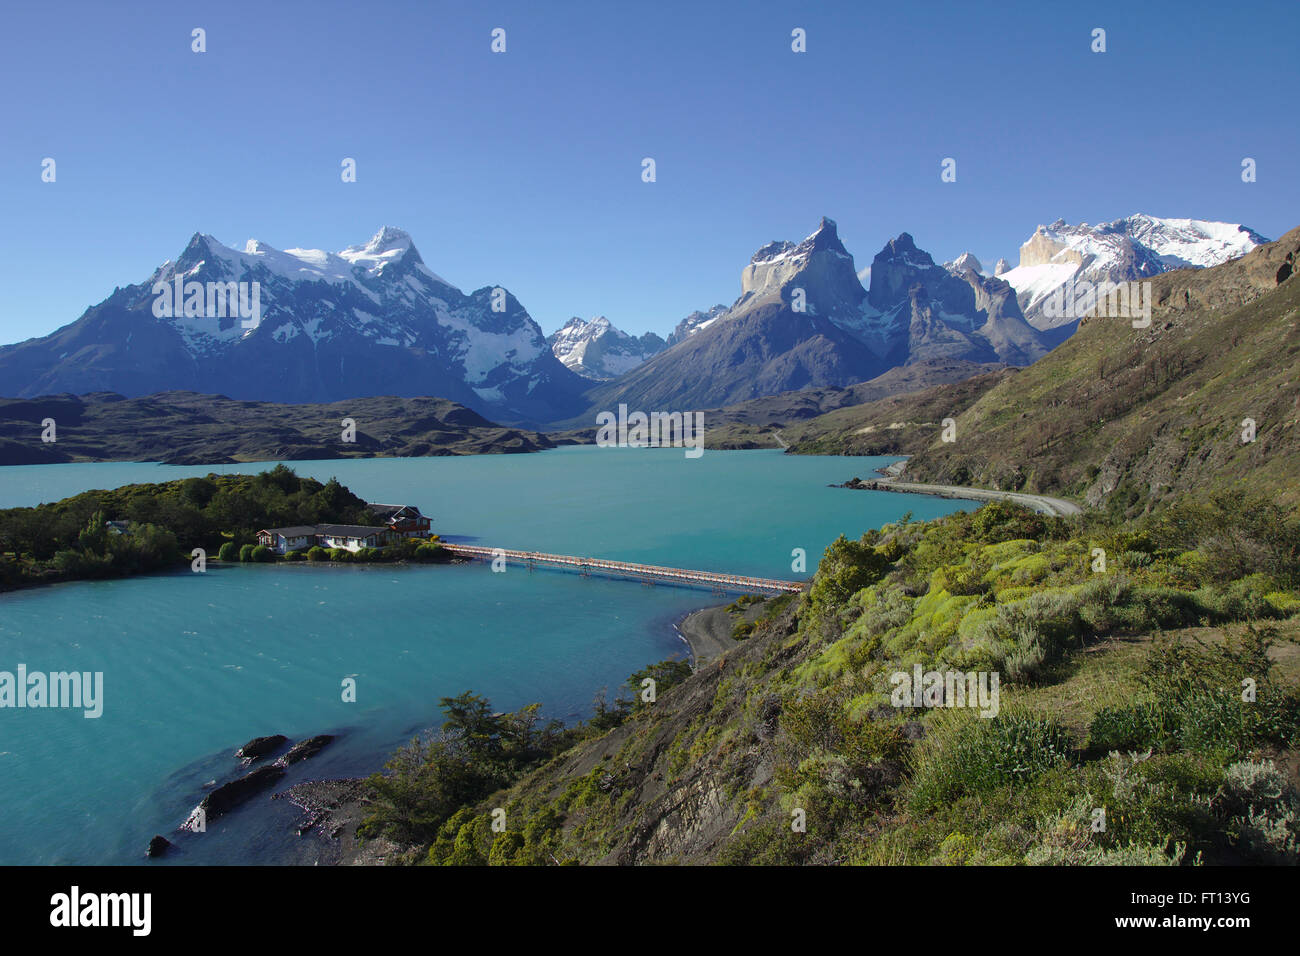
x,y
333,810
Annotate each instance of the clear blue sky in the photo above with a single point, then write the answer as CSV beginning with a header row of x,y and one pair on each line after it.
x,y
524,169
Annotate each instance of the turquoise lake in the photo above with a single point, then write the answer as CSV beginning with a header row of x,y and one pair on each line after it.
x,y
196,664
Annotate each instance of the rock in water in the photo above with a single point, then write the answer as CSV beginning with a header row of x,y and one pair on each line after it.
x,y
158,846
304,749
261,746
230,795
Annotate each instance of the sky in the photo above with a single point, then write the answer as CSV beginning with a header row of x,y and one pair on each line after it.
x,y
524,169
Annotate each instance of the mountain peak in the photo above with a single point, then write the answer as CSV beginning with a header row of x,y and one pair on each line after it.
x,y
389,244
966,262
826,238
389,238
820,259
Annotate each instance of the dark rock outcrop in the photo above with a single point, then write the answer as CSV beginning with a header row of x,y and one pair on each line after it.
x,y
158,846
261,746
305,749
230,795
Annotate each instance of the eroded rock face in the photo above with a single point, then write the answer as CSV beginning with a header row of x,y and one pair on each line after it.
x,y
1042,248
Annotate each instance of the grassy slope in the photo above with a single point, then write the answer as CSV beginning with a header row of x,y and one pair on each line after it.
x,y
799,717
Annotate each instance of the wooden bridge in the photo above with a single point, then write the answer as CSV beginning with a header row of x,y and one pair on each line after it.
x,y
647,573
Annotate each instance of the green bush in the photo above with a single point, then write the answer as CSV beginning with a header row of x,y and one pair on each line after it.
x,y
317,553
229,552
972,755
430,551
262,554
1131,727
246,552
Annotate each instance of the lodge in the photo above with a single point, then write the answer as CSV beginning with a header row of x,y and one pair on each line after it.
x,y
398,521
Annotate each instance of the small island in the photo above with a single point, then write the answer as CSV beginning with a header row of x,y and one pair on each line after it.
x,y
275,515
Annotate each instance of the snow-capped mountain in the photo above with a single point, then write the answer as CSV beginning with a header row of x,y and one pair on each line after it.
x,y
1125,250
597,350
370,320
695,322
803,320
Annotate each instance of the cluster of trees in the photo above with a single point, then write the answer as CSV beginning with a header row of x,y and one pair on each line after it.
x,y
478,752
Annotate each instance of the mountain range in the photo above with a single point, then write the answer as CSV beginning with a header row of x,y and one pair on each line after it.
x,y
374,320
1203,398
370,320
804,320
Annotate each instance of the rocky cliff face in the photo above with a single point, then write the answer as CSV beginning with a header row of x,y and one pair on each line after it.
x,y
804,320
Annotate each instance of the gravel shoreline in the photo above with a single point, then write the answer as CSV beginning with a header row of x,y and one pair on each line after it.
x,y
707,632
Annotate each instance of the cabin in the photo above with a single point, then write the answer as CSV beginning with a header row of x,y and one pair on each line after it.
x,y
352,537
349,537
403,520
284,540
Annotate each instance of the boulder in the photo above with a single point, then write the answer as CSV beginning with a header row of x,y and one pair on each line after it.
x,y
158,846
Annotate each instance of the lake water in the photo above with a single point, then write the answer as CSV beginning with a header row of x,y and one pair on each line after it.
x,y
196,664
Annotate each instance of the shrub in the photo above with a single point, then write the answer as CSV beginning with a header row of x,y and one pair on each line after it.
x,y
246,552
262,554
1131,727
229,552
973,755
429,551
317,553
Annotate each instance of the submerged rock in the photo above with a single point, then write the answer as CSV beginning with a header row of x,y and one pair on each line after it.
x,y
261,746
304,749
230,795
